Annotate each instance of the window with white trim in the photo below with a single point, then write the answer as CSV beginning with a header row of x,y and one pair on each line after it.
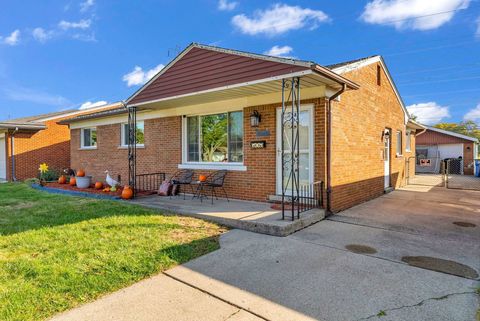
x,y
399,143
140,129
408,142
216,138
88,138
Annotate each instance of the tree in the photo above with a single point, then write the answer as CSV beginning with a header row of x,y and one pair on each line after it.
x,y
468,128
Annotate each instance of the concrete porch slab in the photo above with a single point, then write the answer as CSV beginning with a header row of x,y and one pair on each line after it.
x,y
256,217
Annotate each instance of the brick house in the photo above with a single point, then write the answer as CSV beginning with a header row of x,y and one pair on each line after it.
x,y
439,144
354,130
27,142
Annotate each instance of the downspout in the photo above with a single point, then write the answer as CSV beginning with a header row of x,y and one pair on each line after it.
x,y
12,149
329,147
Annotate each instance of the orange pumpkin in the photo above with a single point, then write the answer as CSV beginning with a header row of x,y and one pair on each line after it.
x,y
62,180
98,185
73,181
202,178
81,173
127,193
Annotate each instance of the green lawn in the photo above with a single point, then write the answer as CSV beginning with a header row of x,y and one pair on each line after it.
x,y
57,252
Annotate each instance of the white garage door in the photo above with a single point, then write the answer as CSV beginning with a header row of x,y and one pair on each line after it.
x,y
3,159
450,150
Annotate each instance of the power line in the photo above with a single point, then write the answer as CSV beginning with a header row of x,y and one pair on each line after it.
x,y
443,92
357,14
429,49
457,67
438,81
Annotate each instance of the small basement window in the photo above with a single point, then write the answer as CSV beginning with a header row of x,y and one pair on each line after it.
x,y
140,129
88,138
399,143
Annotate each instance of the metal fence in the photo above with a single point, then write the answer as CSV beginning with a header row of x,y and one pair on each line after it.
x,y
425,171
459,175
309,197
148,183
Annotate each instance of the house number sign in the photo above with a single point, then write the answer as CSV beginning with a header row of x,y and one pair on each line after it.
x,y
258,144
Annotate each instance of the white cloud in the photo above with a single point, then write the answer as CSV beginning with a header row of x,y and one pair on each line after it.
x,y
13,39
17,93
279,51
402,13
429,113
278,19
225,5
138,77
82,24
87,4
473,114
89,104
42,35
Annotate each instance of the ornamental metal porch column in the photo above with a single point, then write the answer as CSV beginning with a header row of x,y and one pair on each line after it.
x,y
132,148
290,149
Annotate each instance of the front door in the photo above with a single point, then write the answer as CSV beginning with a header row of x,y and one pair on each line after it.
x,y
306,148
386,157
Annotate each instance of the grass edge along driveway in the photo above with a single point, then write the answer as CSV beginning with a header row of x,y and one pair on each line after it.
x,y
57,252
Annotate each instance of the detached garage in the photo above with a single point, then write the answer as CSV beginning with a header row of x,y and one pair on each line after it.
x,y
438,145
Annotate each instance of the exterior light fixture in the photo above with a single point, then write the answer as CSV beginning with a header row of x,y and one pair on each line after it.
x,y
255,119
386,134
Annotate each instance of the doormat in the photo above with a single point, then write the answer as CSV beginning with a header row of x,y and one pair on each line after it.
x,y
465,224
360,249
441,265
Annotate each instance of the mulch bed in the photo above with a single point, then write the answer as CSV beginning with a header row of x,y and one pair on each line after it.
x,y
92,189
86,190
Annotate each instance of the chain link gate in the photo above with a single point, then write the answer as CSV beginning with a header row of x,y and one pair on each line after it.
x,y
425,171
456,178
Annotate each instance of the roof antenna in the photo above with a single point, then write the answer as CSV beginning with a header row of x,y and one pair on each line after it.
x,y
174,51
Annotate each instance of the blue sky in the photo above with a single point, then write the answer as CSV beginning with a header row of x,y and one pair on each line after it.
x,y
57,55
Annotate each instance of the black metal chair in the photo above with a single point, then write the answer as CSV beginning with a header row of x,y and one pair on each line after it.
x,y
213,181
181,177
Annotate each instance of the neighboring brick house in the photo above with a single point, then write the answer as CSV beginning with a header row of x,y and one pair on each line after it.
x,y
435,143
207,85
27,142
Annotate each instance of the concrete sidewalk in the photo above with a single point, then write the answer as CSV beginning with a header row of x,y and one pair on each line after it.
x,y
157,298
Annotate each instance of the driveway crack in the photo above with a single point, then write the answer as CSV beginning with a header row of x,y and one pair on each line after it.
x,y
384,312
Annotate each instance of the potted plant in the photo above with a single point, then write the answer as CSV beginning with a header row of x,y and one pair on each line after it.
x,y
82,180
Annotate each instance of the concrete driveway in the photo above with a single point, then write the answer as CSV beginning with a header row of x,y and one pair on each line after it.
x,y
312,274
315,274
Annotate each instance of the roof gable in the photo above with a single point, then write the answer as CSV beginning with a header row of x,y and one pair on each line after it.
x,y
342,68
454,137
199,68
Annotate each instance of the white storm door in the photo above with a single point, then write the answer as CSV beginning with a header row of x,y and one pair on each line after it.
x,y
386,158
306,142
3,158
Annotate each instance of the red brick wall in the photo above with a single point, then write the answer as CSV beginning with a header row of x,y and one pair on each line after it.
x,y
51,146
468,158
358,122
162,152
